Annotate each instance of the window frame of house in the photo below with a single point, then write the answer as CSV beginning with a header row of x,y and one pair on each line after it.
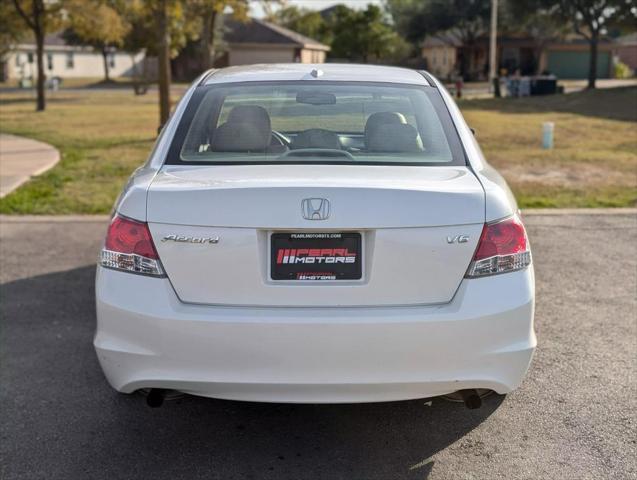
x,y
49,61
70,60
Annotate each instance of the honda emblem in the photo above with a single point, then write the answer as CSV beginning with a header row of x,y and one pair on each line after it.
x,y
315,208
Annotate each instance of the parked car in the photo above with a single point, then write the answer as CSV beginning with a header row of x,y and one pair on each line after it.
x,y
316,235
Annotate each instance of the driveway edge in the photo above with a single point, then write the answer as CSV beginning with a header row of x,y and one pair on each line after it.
x,y
23,158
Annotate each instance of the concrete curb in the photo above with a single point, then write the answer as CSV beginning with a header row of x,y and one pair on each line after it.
x,y
54,218
579,211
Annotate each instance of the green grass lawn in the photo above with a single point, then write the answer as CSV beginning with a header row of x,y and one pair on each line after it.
x,y
105,135
594,162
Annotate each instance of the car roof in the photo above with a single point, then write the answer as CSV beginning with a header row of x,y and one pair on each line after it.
x,y
315,72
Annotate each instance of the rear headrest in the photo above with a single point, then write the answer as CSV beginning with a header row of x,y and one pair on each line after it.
x,y
240,137
382,118
248,129
396,138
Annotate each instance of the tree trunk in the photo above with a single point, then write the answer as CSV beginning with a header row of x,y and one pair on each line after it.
x,y
107,76
207,52
39,42
592,66
163,58
464,63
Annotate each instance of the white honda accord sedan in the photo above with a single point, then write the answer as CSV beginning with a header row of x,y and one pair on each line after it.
x,y
315,234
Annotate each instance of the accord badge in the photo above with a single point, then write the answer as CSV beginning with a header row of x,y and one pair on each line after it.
x,y
185,239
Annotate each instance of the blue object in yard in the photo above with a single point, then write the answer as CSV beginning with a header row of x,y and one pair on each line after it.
x,y
547,135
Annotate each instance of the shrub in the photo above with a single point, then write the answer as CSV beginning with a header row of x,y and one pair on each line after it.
x,y
622,70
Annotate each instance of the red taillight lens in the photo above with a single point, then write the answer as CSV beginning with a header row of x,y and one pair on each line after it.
x,y
130,236
502,238
129,246
503,247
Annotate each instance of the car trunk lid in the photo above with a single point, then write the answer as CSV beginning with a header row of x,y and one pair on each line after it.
x,y
213,226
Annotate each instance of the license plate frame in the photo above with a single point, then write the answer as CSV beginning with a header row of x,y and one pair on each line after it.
x,y
316,256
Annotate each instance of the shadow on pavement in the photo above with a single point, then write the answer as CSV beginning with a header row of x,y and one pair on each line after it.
x,y
60,419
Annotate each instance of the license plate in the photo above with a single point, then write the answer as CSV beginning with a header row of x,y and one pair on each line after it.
x,y
316,256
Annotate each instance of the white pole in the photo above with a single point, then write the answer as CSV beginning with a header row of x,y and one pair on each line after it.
x,y
493,67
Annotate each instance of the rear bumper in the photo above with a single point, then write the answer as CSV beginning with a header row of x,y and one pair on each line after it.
x,y
146,337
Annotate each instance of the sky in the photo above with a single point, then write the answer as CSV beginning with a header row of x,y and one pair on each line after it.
x,y
257,11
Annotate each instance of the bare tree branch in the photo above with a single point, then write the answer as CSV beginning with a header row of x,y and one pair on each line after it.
x,y
23,14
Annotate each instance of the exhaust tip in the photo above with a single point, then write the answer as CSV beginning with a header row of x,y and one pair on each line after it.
x,y
155,398
471,399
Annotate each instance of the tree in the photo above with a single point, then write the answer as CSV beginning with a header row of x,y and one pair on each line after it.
x,y
161,28
207,11
306,22
464,20
12,28
160,13
537,19
402,13
96,23
591,18
364,35
41,17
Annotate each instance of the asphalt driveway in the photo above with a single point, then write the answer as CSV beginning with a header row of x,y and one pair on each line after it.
x,y
573,418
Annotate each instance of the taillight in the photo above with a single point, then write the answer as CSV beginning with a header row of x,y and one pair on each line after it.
x,y
503,247
129,246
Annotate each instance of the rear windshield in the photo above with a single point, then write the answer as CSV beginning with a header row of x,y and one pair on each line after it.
x,y
311,122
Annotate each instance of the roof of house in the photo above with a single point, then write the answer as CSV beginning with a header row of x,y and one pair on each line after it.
x,y
445,39
252,31
327,12
451,39
55,39
259,31
628,39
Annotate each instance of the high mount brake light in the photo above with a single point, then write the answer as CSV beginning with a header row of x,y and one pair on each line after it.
x,y
503,247
129,247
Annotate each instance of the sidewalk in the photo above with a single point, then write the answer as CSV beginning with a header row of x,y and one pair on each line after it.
x,y
21,158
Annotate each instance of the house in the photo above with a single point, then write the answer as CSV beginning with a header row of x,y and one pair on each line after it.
x,y
445,55
627,51
66,61
258,41
253,41
442,54
571,58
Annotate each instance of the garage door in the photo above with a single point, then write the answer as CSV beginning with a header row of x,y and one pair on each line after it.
x,y
575,64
